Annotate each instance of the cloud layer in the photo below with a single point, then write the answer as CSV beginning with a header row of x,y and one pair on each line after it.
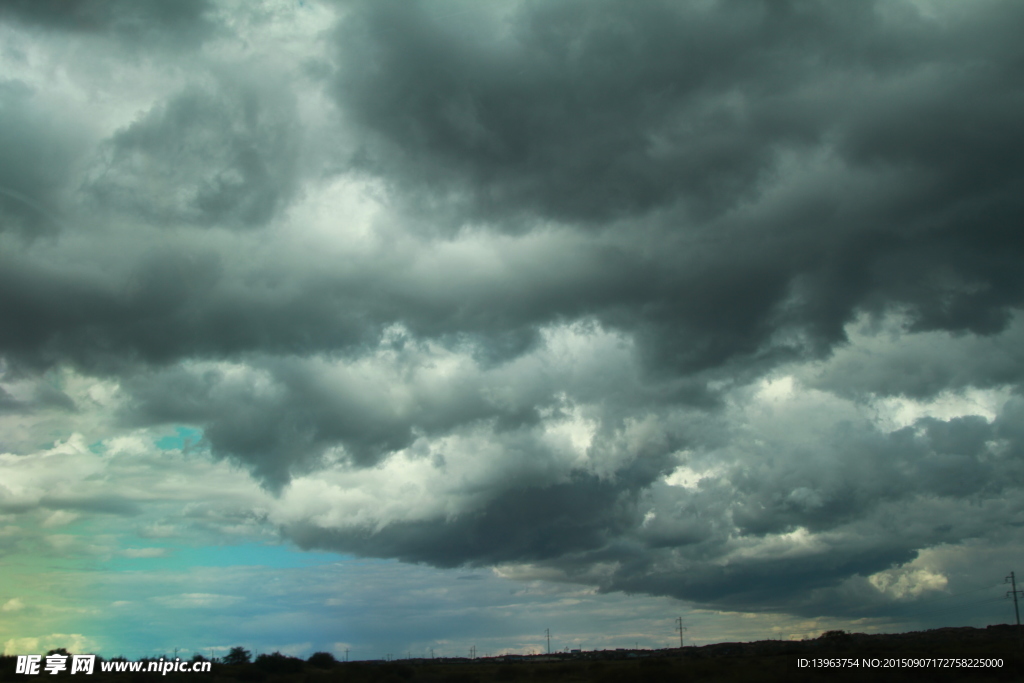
x,y
718,301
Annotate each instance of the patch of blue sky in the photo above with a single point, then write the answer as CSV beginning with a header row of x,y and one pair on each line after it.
x,y
183,436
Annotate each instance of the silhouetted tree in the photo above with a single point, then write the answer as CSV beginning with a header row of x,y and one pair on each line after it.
x,y
277,663
237,655
322,660
836,634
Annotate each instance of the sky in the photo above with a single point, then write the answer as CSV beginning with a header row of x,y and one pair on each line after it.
x,y
398,327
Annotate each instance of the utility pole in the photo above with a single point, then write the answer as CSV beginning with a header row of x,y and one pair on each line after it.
x,y
472,652
346,654
681,629
547,632
1012,580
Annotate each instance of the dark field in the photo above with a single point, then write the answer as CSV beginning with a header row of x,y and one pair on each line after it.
x,y
836,656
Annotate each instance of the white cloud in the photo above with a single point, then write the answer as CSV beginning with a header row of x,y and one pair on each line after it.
x,y
13,605
197,600
145,552
72,642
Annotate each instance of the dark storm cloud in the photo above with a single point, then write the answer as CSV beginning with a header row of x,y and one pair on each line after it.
x,y
135,20
523,524
281,415
780,528
684,115
580,111
587,111
279,419
691,195
874,503
522,521
692,137
173,303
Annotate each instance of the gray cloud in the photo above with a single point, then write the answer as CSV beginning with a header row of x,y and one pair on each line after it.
x,y
522,524
35,149
578,112
748,279
545,256
205,158
887,362
695,119
135,21
9,404
771,528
